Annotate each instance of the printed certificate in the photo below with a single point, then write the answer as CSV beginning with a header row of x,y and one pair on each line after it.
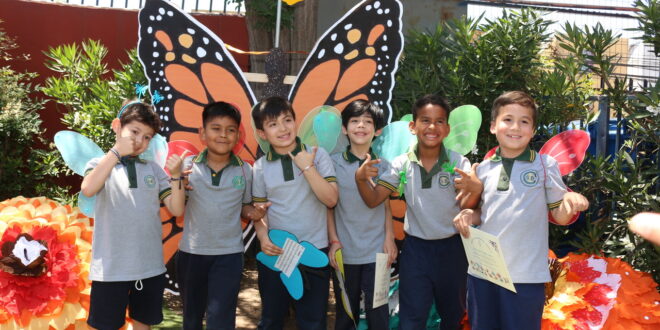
x,y
485,258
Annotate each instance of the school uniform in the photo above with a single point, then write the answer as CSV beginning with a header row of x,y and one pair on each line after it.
x,y
127,266
517,195
432,265
296,209
210,258
361,231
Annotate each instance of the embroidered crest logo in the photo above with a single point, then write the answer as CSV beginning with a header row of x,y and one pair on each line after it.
x,y
529,178
150,181
444,180
238,182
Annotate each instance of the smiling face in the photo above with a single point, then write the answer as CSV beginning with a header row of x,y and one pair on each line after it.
x,y
280,132
220,134
360,130
140,132
513,128
430,126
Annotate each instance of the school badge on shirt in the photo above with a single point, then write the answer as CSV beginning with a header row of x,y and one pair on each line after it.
x,y
529,178
238,182
150,181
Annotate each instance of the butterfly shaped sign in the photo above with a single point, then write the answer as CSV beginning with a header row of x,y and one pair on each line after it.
x,y
310,256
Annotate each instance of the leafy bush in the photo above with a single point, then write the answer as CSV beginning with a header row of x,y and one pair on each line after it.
x,y
24,170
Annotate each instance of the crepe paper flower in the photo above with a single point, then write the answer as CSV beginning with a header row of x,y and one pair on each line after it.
x,y
448,167
52,290
402,183
311,257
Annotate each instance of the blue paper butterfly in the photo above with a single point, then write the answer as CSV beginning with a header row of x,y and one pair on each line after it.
x,y
311,257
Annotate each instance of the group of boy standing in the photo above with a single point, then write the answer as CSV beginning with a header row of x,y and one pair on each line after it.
x,y
331,201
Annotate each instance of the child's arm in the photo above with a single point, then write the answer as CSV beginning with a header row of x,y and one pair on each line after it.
x,y
176,202
469,188
267,247
466,219
325,191
95,179
333,238
571,204
389,246
372,194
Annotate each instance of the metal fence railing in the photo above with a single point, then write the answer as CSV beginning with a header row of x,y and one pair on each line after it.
x,y
201,6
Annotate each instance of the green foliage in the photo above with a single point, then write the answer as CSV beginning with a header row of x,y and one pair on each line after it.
x,y
25,169
649,22
90,95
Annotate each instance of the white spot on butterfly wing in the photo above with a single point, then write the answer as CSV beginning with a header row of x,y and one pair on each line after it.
x,y
339,48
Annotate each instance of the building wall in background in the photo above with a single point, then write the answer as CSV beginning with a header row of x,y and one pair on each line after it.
x,y
38,26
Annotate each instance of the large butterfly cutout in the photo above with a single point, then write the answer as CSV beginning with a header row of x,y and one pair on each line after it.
x,y
190,66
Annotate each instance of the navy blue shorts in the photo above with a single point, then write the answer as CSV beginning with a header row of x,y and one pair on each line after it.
x,y
491,306
108,302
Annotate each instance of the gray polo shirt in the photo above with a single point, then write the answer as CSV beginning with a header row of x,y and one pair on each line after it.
x,y
430,197
361,229
294,208
127,240
212,224
517,195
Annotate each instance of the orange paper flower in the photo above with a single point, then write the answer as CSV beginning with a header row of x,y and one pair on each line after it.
x,y
58,298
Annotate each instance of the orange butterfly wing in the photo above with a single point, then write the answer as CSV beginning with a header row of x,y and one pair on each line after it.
x,y
356,58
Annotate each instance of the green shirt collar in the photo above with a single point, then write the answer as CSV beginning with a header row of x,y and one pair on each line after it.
x,y
526,156
272,155
351,158
202,158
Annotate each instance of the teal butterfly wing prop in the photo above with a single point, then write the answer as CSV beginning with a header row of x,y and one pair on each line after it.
x,y
464,123
394,140
322,127
311,257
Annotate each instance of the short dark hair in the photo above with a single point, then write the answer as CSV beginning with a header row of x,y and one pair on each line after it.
x,y
430,99
269,108
514,97
140,112
220,109
358,108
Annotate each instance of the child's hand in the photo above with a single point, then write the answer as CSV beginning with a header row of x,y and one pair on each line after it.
x,y
574,203
390,248
268,247
334,246
367,171
467,183
304,159
125,145
259,211
465,219
174,164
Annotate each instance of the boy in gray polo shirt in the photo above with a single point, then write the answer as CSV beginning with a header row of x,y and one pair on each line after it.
x,y
299,199
432,265
127,266
519,186
210,259
360,231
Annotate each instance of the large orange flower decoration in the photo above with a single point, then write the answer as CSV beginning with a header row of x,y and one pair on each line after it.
x,y
602,293
44,265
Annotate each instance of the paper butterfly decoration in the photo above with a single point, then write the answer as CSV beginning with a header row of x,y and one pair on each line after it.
x,y
77,150
189,65
311,257
568,148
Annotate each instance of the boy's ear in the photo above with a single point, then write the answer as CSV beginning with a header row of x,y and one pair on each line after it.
x,y
116,126
411,126
261,134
